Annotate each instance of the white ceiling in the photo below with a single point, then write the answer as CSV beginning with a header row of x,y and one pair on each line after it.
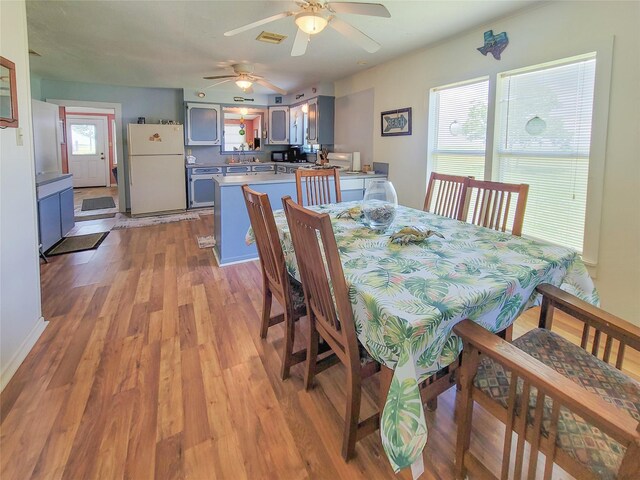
x,y
176,43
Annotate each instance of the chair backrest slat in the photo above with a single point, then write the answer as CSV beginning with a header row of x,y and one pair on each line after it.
x,y
322,277
493,205
317,186
267,240
446,195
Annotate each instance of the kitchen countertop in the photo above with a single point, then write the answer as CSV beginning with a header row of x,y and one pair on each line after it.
x,y
222,164
234,180
45,178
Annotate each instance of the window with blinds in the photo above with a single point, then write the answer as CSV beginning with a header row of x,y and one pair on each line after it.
x,y
460,128
543,135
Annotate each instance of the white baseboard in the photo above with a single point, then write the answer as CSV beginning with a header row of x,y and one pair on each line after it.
x,y
10,368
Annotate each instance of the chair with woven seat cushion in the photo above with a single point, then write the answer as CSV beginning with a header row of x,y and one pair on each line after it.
x,y
491,205
588,422
276,281
446,195
318,186
330,314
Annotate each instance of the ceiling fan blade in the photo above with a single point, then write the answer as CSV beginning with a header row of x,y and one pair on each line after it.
x,y
300,44
371,9
271,86
355,35
215,77
218,83
249,26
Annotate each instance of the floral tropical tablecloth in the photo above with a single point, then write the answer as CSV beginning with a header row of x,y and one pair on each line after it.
x,y
407,298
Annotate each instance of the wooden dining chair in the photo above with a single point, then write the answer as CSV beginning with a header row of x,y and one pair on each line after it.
x,y
275,279
316,185
490,204
330,314
449,191
582,413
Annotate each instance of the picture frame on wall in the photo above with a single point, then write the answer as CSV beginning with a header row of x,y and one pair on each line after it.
x,y
8,94
397,122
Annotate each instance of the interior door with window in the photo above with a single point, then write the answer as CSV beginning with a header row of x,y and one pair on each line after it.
x,y
88,151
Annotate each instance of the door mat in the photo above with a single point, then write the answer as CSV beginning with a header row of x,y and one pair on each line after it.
x,y
206,241
98,216
126,222
78,243
97,203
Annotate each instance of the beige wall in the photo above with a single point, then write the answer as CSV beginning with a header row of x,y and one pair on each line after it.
x,y
544,33
20,314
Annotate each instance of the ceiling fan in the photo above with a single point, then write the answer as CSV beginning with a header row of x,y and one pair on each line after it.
x,y
245,78
314,16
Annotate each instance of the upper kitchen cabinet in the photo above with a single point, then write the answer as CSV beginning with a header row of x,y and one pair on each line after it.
x,y
203,124
279,125
321,112
298,124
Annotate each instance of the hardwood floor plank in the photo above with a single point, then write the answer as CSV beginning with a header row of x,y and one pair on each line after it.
x,y
170,412
196,422
110,462
170,458
140,461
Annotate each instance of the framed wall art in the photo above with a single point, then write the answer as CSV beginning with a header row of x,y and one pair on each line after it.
x,y
395,122
8,94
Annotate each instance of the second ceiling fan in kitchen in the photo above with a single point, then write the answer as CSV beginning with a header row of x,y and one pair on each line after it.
x,y
244,77
314,16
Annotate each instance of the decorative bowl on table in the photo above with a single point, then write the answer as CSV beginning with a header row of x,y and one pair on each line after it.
x,y
379,204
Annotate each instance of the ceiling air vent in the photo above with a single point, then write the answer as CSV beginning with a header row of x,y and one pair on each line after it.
x,y
34,53
270,37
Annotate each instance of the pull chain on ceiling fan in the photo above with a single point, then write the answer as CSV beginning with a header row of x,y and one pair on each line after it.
x,y
315,16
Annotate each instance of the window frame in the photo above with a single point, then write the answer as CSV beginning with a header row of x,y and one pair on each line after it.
x,y
602,46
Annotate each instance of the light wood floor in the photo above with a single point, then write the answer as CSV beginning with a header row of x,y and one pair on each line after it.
x,y
152,367
80,194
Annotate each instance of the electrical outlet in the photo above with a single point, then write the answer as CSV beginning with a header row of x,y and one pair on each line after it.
x,y
188,151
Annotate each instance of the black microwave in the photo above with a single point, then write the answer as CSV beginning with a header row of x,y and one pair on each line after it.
x,y
282,156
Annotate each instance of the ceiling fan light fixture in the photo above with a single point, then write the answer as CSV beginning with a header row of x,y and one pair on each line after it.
x,y
311,22
243,83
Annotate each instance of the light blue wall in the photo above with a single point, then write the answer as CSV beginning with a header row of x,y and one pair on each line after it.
x,y
36,87
154,104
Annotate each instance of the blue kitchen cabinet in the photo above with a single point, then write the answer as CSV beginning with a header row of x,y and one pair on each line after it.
x,y
203,124
49,221
321,119
67,220
55,208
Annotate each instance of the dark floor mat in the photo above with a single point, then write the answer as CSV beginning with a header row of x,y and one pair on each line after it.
x,y
97,203
78,243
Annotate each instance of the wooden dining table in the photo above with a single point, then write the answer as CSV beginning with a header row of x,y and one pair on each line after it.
x,y
407,298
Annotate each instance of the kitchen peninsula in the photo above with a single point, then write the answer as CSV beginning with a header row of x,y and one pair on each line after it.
x,y
231,220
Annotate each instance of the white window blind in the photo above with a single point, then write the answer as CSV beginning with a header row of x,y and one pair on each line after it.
x,y
460,128
543,139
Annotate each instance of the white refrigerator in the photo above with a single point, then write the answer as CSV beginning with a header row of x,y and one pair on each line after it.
x,y
156,168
